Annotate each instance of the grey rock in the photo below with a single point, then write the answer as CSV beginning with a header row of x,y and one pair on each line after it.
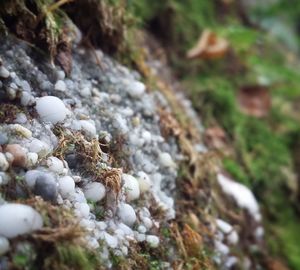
x,y
46,187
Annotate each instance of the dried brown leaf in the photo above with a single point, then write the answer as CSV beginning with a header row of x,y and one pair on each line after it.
x,y
254,100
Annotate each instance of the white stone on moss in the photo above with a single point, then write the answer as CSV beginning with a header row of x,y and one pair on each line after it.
x,y
94,191
51,109
18,219
131,187
152,240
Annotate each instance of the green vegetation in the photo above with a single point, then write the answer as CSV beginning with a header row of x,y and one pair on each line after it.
x,y
262,149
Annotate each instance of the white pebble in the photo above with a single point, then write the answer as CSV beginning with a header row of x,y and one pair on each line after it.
x,y
3,162
131,187
152,240
66,186
142,229
39,147
140,237
88,127
126,214
4,73
55,164
144,181
94,191
23,220
136,89
146,135
166,160
51,109
60,86
32,159
4,245
233,238
83,209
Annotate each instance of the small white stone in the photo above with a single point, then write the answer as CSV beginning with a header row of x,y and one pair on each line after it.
x,y
60,74
55,164
60,86
126,214
83,208
4,179
224,226
152,240
66,186
233,238
140,237
221,248
146,135
26,99
147,222
85,92
101,225
136,89
32,159
4,245
142,229
21,119
88,127
131,187
3,162
4,73
39,147
51,109
166,160
94,191
23,220
144,180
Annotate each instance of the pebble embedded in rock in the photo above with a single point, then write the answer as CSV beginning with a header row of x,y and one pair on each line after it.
x,y
126,214
94,191
4,245
18,153
66,186
51,109
3,138
152,240
144,181
131,187
46,187
55,164
60,86
23,220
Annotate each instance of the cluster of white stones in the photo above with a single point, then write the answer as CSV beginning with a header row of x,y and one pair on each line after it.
x,y
101,103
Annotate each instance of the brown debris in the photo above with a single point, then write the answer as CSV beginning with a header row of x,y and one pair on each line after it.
x,y
254,100
209,46
215,137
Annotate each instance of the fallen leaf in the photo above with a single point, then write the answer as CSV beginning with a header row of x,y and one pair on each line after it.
x,y
209,46
254,100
